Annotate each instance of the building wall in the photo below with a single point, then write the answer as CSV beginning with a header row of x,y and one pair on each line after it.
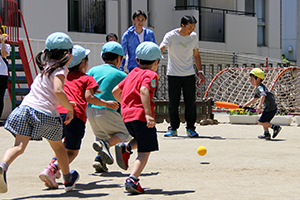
x,y
44,17
241,34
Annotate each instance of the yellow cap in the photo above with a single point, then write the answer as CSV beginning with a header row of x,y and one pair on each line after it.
x,y
258,73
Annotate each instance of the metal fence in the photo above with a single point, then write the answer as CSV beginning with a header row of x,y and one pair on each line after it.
x,y
213,61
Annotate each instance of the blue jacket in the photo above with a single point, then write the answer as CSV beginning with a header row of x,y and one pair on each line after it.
x,y
130,40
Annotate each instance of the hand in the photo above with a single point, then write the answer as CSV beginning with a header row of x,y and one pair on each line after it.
x,y
73,104
202,78
98,91
258,109
150,121
112,105
70,116
3,38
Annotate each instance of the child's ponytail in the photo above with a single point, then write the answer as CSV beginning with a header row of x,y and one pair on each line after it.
x,y
57,53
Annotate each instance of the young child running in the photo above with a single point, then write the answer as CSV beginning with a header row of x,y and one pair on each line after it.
x,y
79,88
37,117
267,99
107,123
138,112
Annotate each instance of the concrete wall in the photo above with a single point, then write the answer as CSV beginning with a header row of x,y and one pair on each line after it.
x,y
112,17
163,18
241,33
43,21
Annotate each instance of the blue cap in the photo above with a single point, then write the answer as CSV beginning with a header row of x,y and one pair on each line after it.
x,y
112,47
79,53
58,40
148,51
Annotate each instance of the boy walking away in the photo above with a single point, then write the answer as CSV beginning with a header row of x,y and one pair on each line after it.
x,y
107,124
80,89
138,112
267,99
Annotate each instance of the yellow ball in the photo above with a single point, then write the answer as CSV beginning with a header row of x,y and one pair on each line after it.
x,y
201,150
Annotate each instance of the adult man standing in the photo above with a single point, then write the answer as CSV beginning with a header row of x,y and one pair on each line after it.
x,y
182,46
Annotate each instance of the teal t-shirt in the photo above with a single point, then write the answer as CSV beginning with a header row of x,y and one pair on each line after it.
x,y
107,77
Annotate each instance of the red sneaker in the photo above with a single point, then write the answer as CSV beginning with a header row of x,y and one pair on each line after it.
x,y
122,155
133,186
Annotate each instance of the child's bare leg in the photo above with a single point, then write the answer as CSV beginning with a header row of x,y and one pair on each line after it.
x,y
61,155
12,153
266,125
133,144
72,154
114,140
139,164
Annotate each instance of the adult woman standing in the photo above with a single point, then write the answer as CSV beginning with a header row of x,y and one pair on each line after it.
x,y
5,50
133,37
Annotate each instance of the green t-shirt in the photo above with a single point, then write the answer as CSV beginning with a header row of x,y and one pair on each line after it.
x,y
107,77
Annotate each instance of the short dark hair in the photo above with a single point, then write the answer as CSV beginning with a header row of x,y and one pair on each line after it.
x,y
111,35
137,13
188,19
109,56
145,62
2,29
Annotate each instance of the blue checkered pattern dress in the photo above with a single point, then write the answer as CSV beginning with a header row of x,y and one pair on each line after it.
x,y
25,120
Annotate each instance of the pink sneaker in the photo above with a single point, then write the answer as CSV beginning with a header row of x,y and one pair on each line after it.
x,y
57,175
47,176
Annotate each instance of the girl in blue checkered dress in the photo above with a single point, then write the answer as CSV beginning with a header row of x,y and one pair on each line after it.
x,y
37,117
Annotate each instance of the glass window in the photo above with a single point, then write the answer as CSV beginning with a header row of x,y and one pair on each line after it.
x,y
87,16
184,3
260,14
249,6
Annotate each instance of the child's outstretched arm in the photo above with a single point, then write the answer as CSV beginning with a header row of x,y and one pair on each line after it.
x,y
61,96
117,93
261,101
89,96
145,98
249,102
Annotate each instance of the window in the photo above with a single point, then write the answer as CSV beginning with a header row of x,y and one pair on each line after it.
x,y
183,3
149,16
258,6
261,23
87,16
249,6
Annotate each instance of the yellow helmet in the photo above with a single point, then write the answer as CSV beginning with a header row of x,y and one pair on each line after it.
x,y
258,73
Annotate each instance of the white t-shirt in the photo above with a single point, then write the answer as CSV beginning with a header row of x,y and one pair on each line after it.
x,y
41,95
3,67
180,52
141,35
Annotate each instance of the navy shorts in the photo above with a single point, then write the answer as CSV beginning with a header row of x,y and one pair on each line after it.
x,y
267,116
73,132
146,137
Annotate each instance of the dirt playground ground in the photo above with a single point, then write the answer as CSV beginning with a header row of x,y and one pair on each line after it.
x,y
237,166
